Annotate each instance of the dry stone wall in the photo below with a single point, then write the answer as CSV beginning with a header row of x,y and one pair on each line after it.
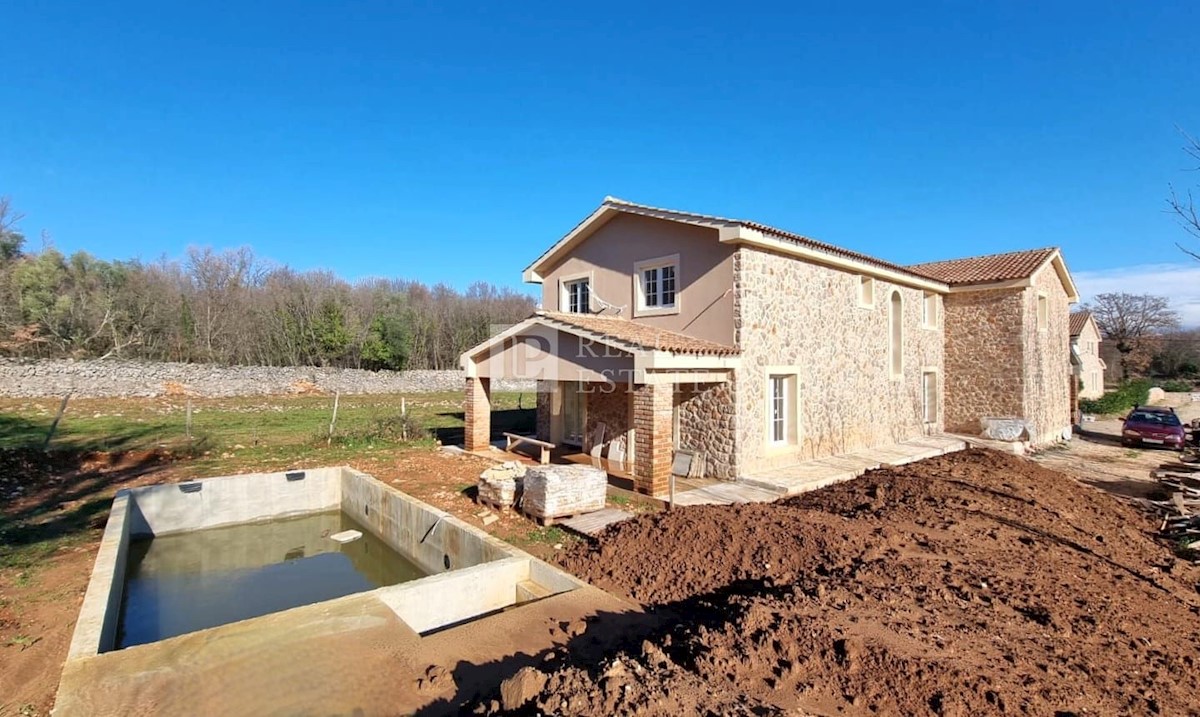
x,y
104,379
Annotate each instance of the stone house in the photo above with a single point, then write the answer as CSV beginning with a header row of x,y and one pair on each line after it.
x,y
757,347
1085,355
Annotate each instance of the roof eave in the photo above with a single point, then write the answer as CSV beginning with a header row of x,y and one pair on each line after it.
x,y
741,234
535,272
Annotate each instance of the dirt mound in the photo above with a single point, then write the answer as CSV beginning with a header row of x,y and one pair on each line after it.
x,y
975,583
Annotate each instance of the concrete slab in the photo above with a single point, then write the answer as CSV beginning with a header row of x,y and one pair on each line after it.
x,y
346,656
822,472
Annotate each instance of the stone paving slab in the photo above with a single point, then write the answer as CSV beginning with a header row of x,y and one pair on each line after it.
x,y
596,521
726,494
814,474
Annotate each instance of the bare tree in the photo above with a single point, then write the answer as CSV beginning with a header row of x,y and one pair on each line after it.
x,y
1134,323
1182,203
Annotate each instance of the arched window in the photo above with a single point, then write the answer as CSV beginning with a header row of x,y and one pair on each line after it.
x,y
896,335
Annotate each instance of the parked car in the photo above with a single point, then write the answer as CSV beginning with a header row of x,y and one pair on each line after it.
x,y
1151,425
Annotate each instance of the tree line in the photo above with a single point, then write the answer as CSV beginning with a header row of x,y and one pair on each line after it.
x,y
232,307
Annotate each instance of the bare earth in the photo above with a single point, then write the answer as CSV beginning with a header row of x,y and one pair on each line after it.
x,y
38,608
1097,458
970,584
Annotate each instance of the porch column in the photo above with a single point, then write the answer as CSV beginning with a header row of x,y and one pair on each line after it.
x,y
477,411
652,411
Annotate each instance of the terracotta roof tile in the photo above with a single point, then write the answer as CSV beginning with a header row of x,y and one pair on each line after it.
x,y
985,269
1078,321
637,335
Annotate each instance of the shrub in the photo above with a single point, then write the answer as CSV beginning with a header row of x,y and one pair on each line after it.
x,y
1126,396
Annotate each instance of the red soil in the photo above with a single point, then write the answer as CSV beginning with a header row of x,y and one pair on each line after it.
x,y
971,584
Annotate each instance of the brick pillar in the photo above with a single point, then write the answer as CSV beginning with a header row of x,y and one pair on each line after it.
x,y
652,412
477,410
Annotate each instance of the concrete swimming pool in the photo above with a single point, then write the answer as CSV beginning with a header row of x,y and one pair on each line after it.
x,y
183,582
433,611
177,555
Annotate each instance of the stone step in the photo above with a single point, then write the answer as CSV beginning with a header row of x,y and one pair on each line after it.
x,y
528,590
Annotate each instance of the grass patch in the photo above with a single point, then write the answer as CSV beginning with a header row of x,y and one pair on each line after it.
x,y
23,641
227,435
1128,395
251,421
550,535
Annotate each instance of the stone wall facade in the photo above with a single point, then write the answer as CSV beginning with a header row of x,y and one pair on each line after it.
x,y
1047,360
1000,363
794,317
109,378
545,408
608,404
707,421
984,357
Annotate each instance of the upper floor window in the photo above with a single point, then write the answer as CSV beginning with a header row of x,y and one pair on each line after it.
x,y
578,295
929,305
866,291
657,284
1043,311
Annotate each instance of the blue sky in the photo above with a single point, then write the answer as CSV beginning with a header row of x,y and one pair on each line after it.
x,y
449,142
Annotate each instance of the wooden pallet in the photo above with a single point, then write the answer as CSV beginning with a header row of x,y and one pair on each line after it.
x,y
492,504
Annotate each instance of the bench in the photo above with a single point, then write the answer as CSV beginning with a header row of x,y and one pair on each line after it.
x,y
516,440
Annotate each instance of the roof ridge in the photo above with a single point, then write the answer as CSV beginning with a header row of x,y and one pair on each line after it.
x,y
776,231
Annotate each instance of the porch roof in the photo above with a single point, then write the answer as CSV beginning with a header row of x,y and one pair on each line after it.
x,y
635,335
638,351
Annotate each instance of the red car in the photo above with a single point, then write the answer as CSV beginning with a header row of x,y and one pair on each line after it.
x,y
1153,426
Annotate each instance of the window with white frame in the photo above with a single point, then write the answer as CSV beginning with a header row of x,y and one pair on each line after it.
x,y
782,414
866,291
929,396
778,416
657,284
1043,312
578,296
929,304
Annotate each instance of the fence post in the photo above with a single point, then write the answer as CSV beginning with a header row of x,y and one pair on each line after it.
x,y
62,407
333,420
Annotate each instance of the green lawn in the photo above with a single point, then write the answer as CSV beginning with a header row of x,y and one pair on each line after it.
x,y
227,436
248,424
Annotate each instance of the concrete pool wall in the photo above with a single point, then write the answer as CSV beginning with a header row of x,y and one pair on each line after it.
x,y
471,573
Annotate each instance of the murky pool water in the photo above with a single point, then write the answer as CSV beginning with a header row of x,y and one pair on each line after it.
x,y
181,583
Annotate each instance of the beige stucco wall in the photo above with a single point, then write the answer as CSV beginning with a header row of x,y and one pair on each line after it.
x,y
1047,359
547,354
984,357
1091,373
790,313
704,282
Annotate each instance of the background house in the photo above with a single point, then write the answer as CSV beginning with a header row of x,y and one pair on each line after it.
x,y
1085,348
762,348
